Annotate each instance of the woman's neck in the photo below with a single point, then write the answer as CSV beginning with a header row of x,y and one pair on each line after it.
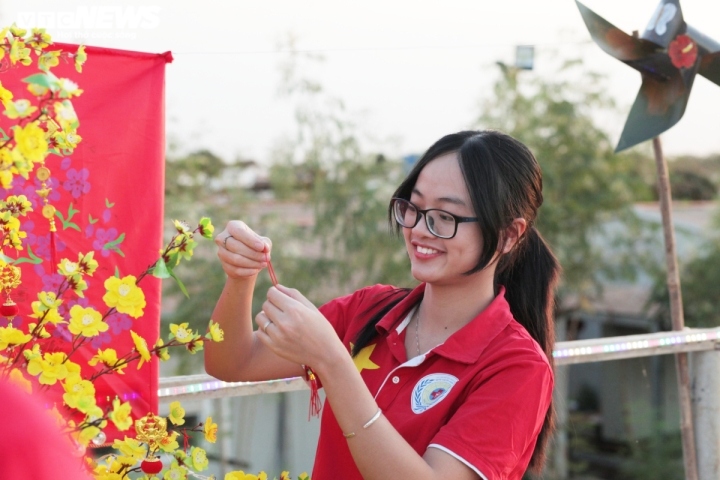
x,y
453,307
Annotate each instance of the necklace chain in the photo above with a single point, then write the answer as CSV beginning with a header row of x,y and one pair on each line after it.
x,y
417,326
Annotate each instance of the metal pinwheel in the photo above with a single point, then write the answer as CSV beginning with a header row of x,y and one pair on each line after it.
x,y
669,53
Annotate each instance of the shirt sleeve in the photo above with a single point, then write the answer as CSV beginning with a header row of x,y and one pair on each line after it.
x,y
495,430
344,312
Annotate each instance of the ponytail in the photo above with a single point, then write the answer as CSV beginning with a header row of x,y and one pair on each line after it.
x,y
530,273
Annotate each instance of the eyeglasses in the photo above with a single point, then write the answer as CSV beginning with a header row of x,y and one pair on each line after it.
x,y
440,223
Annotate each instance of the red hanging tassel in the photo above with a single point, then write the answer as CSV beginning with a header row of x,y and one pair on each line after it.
x,y
53,254
310,377
186,441
315,402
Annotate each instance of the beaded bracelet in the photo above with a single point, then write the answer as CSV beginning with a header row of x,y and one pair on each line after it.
x,y
370,422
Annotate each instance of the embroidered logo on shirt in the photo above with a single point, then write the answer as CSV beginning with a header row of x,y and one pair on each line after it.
x,y
430,390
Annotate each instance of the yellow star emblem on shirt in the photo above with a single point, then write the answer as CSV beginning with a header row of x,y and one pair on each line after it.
x,y
362,359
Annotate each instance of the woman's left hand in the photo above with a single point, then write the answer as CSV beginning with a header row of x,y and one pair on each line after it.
x,y
292,327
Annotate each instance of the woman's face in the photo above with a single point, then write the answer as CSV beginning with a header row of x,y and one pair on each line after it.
x,y
435,260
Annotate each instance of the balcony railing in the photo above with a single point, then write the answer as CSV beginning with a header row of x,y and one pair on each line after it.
x,y
580,351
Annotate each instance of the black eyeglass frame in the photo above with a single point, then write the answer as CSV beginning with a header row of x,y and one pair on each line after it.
x,y
422,213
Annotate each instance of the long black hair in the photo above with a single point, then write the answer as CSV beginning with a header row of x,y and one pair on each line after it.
x,y
504,181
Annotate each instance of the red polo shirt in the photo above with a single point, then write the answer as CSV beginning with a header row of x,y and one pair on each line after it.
x,y
481,396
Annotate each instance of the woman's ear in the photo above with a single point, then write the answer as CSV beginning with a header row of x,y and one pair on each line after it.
x,y
513,233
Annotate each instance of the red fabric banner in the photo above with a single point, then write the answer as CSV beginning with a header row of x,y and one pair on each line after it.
x,y
109,199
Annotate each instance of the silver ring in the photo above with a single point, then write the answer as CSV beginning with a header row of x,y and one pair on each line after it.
x,y
265,327
225,241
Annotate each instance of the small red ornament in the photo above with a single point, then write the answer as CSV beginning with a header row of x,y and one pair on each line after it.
x,y
151,466
9,309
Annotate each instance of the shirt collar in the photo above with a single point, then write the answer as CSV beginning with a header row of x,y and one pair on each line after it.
x,y
470,341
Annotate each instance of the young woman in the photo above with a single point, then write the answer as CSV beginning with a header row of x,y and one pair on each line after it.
x,y
452,379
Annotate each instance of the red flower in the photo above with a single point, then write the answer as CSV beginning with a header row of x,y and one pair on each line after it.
x,y
683,52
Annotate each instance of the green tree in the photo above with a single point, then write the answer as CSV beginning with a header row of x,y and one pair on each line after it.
x,y
586,185
198,184
324,166
699,278
326,212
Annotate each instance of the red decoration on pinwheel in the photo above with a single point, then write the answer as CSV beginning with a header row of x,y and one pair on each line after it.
x,y
683,52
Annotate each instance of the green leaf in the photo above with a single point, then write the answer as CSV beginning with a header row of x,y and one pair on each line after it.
x,y
66,222
160,270
47,80
71,211
92,220
114,243
33,259
7,259
108,204
4,135
180,283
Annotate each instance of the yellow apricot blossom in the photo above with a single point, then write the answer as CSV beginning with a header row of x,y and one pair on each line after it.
x,y
87,263
19,109
39,39
210,429
87,434
19,52
6,176
80,58
109,358
79,393
181,332
68,88
124,295
67,138
31,142
130,447
37,90
240,475
169,444
11,336
215,332
40,332
50,367
175,472
41,312
141,347
177,414
49,59
49,299
67,268
161,352
5,95
109,471
87,322
198,459
120,414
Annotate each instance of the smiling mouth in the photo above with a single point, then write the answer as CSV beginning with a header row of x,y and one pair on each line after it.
x,y
426,251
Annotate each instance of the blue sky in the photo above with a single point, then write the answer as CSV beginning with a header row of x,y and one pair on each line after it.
x,y
410,70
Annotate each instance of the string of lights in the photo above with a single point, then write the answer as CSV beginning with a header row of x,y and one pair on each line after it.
x,y
579,351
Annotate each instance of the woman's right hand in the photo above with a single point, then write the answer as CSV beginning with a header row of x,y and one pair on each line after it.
x,y
241,251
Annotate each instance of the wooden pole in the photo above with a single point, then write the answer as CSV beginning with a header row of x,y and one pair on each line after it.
x,y
676,314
